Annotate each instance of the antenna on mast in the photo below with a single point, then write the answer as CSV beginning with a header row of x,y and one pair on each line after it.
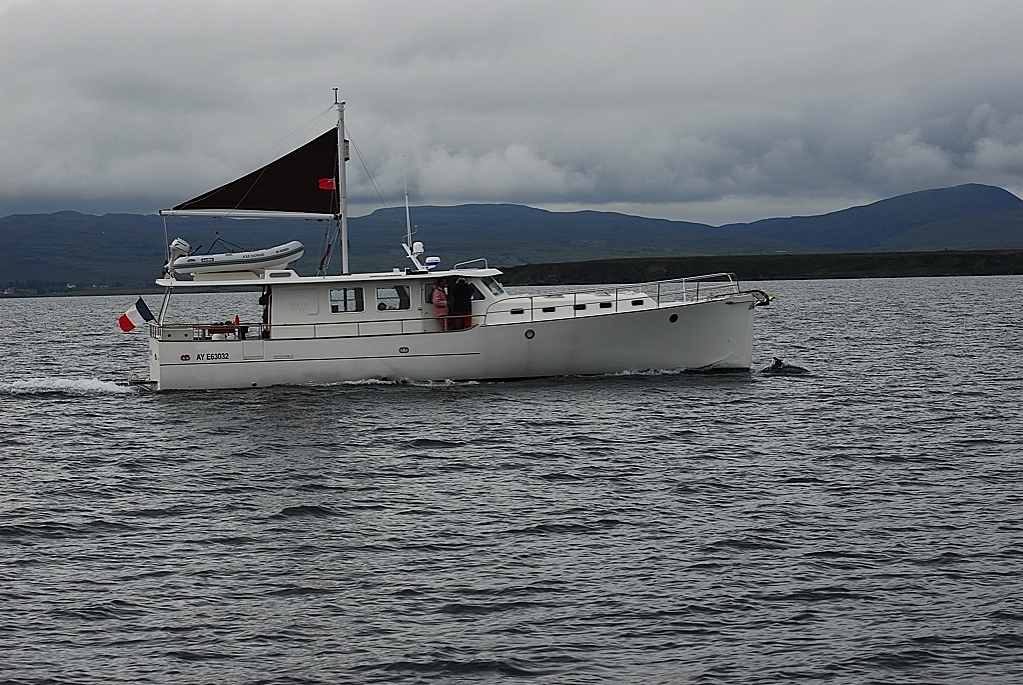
x,y
408,220
413,250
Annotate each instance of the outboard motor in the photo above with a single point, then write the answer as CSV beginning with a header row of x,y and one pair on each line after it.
x,y
178,248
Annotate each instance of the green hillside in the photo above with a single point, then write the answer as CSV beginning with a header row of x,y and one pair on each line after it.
x,y
774,267
47,252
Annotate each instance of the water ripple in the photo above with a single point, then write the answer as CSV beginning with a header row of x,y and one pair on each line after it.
x,y
860,524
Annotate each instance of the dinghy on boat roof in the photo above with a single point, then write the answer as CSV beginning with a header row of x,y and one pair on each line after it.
x,y
214,266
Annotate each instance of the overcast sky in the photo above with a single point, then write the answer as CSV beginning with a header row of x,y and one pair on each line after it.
x,y
701,111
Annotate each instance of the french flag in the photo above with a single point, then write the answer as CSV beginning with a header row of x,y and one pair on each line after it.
x,y
137,315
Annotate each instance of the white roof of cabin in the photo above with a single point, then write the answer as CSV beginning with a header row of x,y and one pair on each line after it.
x,y
285,277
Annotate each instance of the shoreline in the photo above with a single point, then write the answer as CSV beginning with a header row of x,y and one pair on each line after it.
x,y
775,267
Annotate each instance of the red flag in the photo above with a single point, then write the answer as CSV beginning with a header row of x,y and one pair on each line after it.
x,y
327,184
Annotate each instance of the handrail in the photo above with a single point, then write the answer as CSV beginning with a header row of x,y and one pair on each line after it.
x,y
674,290
471,261
205,332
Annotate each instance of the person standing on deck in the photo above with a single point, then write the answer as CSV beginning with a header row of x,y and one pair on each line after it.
x,y
439,300
461,305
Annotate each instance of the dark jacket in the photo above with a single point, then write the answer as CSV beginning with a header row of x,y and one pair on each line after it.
x,y
461,298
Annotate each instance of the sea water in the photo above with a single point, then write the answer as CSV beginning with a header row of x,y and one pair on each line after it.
x,y
859,524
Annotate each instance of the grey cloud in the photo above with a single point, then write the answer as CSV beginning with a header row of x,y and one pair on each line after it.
x,y
689,110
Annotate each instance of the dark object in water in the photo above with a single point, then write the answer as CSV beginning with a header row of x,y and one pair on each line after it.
x,y
781,367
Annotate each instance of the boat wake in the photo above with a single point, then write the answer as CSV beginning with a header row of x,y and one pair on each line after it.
x,y
63,386
648,372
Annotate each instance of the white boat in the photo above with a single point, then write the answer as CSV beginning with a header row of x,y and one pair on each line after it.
x,y
348,327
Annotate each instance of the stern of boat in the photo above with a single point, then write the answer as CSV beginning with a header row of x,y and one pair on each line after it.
x,y
153,381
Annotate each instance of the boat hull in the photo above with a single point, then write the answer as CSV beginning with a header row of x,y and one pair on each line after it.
x,y
709,334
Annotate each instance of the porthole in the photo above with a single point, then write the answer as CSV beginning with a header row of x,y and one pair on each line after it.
x,y
673,318
530,333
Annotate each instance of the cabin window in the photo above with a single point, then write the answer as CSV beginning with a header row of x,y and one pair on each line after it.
x,y
394,297
493,285
428,289
347,300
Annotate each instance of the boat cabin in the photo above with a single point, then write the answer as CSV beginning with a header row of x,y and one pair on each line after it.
x,y
298,307
377,305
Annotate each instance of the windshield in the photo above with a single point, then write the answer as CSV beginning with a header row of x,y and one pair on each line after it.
x,y
493,285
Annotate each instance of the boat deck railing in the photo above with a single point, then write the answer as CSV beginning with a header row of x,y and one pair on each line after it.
x,y
204,332
614,299
676,290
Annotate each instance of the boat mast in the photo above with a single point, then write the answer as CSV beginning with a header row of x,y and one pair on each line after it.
x,y
342,152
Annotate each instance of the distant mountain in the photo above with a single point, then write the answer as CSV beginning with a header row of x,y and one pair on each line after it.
x,y
967,217
128,250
